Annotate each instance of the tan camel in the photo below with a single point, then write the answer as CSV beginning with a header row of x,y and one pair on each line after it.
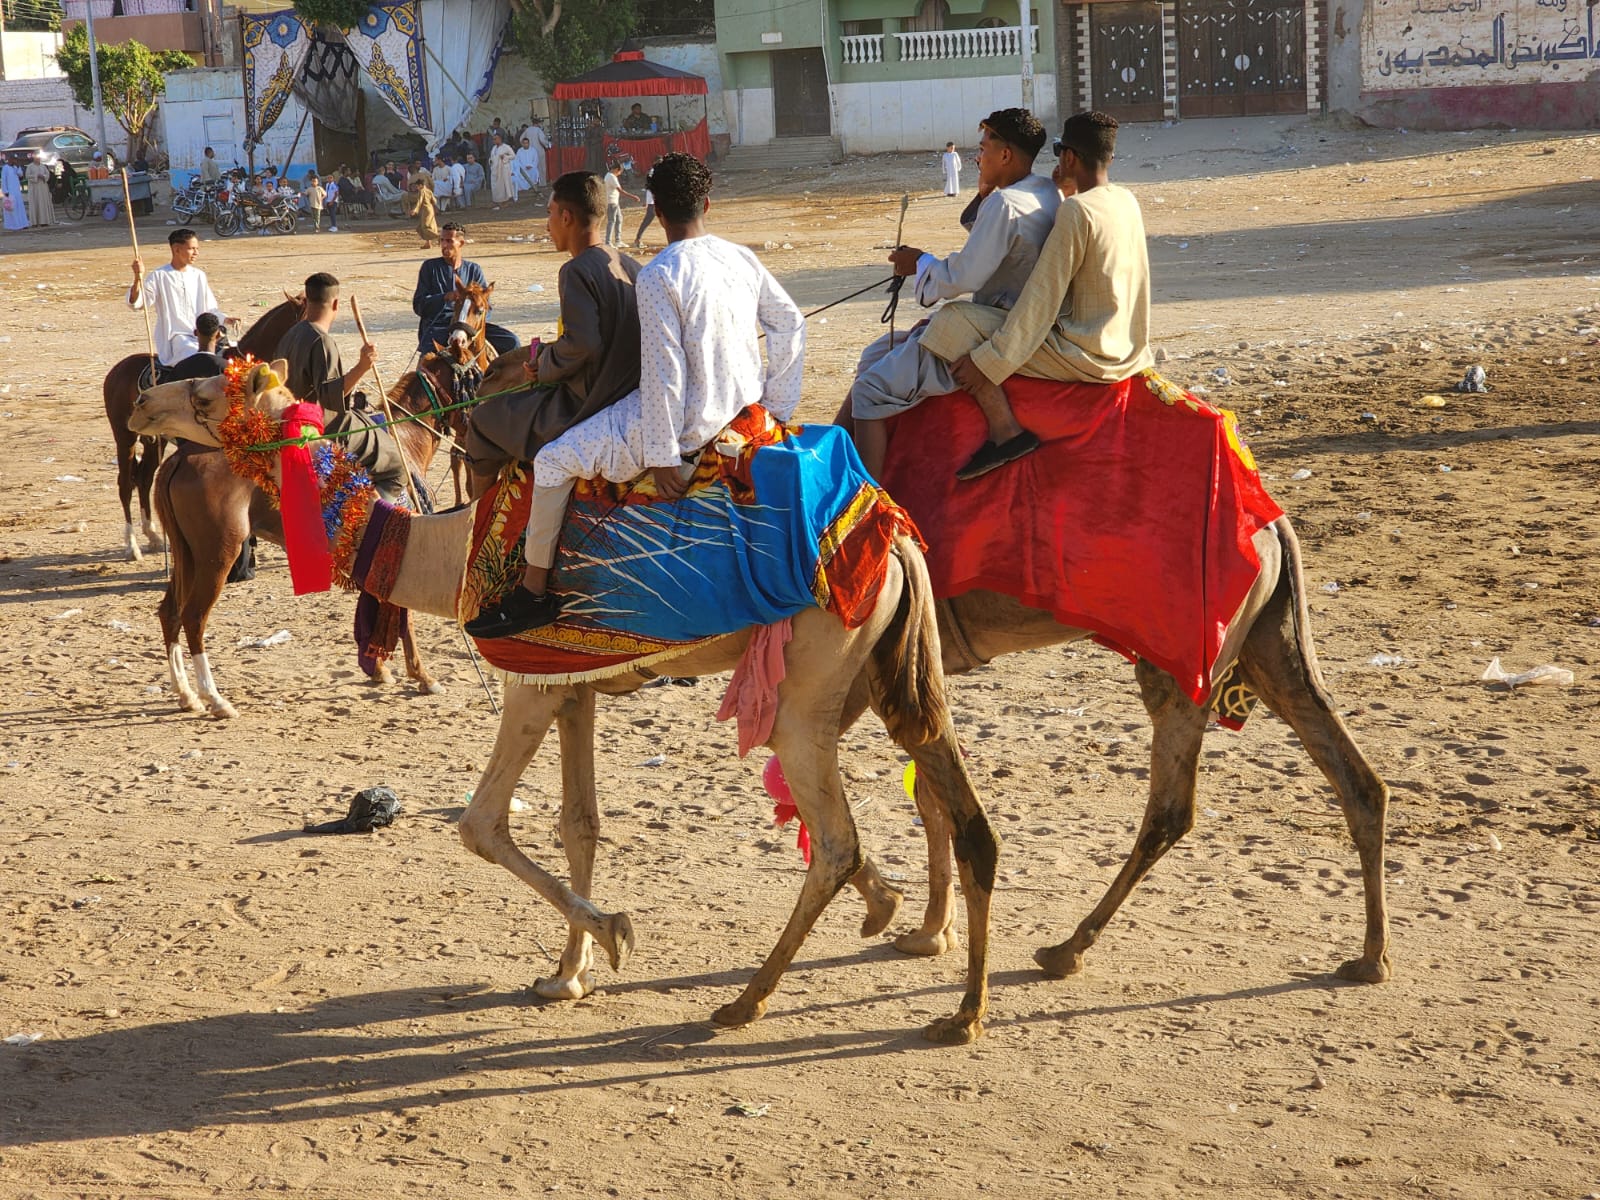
x,y
890,662
1270,639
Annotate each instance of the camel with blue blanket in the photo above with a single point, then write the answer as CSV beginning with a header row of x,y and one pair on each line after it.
x,y
779,532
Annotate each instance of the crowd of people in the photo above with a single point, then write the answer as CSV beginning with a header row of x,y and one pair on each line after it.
x,y
652,362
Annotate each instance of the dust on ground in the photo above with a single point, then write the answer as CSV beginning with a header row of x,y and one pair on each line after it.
x,y
227,1008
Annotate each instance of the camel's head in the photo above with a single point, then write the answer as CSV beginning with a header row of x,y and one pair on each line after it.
x,y
193,408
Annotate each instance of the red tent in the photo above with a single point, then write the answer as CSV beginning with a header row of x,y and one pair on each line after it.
x,y
579,144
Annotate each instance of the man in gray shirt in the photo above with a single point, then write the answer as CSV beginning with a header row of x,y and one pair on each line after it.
x,y
1014,217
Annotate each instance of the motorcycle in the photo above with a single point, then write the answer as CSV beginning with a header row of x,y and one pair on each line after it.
x,y
238,209
198,201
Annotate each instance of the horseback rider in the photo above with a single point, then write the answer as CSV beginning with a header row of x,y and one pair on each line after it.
x,y
436,280
317,374
178,292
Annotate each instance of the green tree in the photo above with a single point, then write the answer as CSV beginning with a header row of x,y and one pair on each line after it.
x,y
131,82
563,38
340,14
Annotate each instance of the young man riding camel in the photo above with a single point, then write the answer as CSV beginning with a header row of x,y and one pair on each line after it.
x,y
703,302
595,361
1084,315
1009,226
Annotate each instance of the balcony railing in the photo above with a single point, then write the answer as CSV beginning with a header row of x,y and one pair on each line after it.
x,y
863,48
1003,42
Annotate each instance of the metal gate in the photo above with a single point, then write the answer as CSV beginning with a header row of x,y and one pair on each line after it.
x,y
800,94
1241,57
1125,60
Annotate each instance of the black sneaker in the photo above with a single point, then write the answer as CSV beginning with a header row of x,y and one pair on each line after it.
x,y
518,611
991,456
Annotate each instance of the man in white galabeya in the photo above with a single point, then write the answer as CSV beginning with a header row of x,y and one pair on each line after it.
x,y
177,293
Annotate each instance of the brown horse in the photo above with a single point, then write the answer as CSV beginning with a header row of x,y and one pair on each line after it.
x,y
138,457
208,512
452,373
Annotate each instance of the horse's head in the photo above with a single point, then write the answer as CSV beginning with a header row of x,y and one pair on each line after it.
x,y
193,408
268,329
470,304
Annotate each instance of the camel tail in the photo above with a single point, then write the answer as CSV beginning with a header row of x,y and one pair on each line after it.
x,y
906,659
1294,577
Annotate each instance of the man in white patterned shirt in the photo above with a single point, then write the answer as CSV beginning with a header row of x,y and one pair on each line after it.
x,y
700,366
1016,212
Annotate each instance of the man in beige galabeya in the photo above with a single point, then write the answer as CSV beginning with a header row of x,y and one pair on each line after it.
x,y
1082,317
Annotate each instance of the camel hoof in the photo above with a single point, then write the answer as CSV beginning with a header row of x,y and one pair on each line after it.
x,y
959,1030
1059,961
616,937
191,703
881,911
382,674
222,710
1363,970
430,687
731,1016
558,988
928,944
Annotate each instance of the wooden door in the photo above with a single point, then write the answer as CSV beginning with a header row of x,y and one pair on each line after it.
x,y
1241,57
800,94
1125,60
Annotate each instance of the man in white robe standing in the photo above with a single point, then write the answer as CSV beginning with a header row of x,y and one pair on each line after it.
x,y
540,141
502,173
1014,217
178,293
700,355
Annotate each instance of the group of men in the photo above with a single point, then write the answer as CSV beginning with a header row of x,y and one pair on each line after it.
x,y
652,362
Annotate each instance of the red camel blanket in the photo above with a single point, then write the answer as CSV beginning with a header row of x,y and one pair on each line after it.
x,y
1133,520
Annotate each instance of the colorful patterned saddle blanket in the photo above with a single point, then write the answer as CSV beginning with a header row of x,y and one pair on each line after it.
x,y
778,518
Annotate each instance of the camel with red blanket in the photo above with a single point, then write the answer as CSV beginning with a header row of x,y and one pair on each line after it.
x,y
1169,550
889,660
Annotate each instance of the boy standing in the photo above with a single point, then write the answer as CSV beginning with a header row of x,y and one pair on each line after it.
x,y
316,197
952,169
614,194
700,365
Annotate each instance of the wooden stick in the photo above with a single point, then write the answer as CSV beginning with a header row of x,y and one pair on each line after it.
x,y
133,232
383,399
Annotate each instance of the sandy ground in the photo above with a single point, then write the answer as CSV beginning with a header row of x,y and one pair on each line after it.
x,y
228,1008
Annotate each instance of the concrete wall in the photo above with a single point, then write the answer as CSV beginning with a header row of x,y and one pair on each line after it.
x,y
205,107
924,114
25,55
1461,64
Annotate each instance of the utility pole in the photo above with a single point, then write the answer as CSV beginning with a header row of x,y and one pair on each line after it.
x,y
1027,53
94,78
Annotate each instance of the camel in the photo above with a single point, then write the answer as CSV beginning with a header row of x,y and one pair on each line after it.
x,y
1270,640
891,662
208,513
138,458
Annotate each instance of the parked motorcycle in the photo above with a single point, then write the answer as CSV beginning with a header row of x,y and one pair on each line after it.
x,y
239,210
197,202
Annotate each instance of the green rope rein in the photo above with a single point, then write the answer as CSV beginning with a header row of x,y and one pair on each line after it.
x,y
308,438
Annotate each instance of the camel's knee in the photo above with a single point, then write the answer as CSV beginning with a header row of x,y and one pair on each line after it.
x,y
976,846
481,833
1165,829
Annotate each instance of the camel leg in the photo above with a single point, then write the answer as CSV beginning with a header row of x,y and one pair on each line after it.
x,y
485,826
426,683
204,585
812,769
1180,724
965,827
580,832
938,932
1280,663
882,899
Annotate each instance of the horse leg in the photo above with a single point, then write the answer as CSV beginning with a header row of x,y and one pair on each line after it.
x,y
426,683
883,900
1281,664
485,827
580,832
1180,724
127,445
145,475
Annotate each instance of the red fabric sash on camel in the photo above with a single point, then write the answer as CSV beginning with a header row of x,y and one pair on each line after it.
x,y
305,538
1133,520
